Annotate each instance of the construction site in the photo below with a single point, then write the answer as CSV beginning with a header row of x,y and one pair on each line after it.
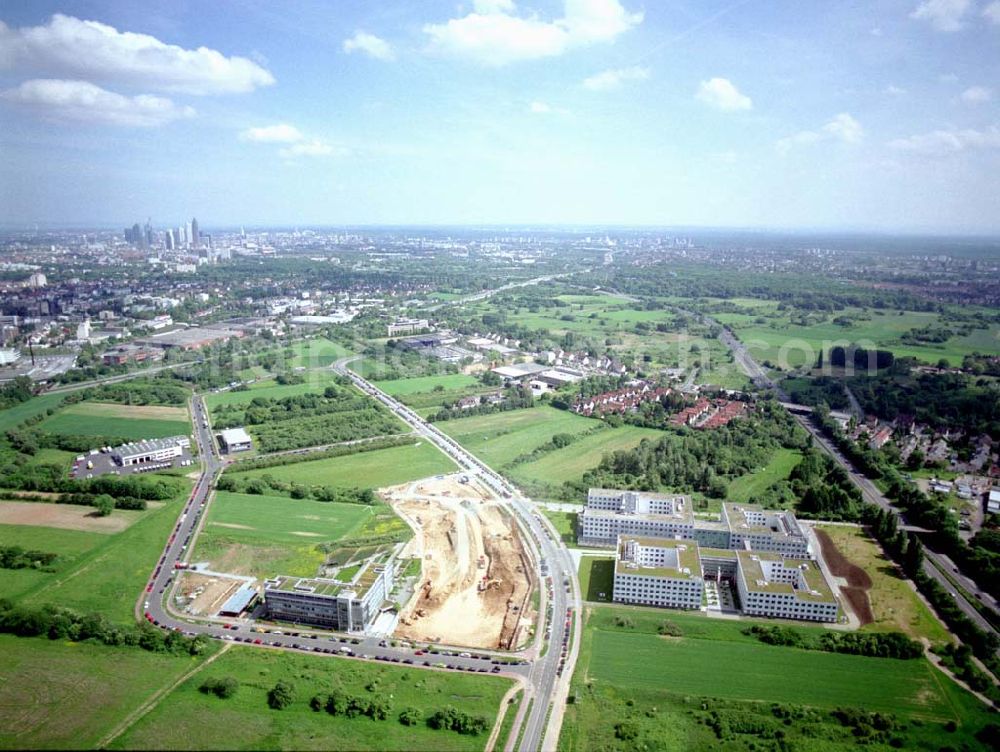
x,y
477,580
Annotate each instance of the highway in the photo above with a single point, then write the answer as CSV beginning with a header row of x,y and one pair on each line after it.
x,y
935,564
552,667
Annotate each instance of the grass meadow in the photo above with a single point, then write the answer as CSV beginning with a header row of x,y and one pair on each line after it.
x,y
189,719
101,419
374,469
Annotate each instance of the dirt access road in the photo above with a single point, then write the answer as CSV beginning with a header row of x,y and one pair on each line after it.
x,y
477,581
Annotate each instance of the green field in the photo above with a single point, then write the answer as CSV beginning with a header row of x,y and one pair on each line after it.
x,y
268,535
500,437
316,353
97,419
669,689
779,674
375,469
189,719
571,462
12,416
280,519
405,387
315,381
109,577
70,545
564,523
802,344
748,487
64,695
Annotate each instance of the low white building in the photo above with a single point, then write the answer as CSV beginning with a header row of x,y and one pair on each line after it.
x,y
152,450
235,440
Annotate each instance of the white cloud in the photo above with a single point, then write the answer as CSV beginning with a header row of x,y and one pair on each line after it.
x,y
943,15
721,94
612,79
992,12
485,7
85,102
282,133
977,95
312,148
494,35
942,143
843,128
894,91
540,108
70,47
371,45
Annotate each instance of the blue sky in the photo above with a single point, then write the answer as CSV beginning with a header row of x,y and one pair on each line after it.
x,y
881,115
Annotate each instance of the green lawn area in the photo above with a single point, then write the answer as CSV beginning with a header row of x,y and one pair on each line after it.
x,y
500,437
315,381
316,353
670,690
404,387
375,469
597,577
68,544
98,419
565,524
63,695
12,416
189,719
109,577
571,462
748,487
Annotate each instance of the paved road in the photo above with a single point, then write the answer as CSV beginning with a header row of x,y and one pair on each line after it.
x,y
123,377
154,604
550,672
934,563
509,286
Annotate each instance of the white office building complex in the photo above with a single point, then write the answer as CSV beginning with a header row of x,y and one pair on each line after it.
x,y
610,514
658,572
784,588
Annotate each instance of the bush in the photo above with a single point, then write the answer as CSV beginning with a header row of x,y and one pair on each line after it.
x,y
280,696
223,688
411,717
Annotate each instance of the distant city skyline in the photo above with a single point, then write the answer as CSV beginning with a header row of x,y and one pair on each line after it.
x,y
787,116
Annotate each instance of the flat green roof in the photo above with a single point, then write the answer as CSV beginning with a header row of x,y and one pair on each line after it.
x,y
687,558
817,588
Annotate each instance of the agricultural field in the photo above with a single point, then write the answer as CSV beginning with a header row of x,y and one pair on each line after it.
x,y
447,382
374,469
623,662
500,437
128,421
748,487
58,694
264,535
316,353
189,719
572,461
894,603
315,381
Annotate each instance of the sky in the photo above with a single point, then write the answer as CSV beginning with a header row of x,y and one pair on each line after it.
x,y
880,115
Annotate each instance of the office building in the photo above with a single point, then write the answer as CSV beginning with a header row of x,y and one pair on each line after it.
x,y
151,450
658,572
235,440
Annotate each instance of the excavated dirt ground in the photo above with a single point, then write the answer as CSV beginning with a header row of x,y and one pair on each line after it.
x,y
467,541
